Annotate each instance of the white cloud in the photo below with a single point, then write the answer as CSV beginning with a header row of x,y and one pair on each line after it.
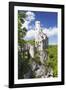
x,y
49,32
30,35
30,16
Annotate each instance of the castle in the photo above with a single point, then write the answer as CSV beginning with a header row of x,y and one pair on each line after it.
x,y
41,43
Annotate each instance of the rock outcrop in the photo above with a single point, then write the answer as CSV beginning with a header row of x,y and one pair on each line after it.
x,y
39,55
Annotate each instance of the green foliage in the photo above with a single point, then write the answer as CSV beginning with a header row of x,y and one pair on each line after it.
x,y
21,31
32,42
23,64
52,59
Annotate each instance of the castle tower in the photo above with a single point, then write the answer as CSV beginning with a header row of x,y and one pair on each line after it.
x,y
40,41
37,30
37,25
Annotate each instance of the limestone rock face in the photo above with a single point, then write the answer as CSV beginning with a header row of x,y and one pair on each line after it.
x,y
38,69
40,72
31,50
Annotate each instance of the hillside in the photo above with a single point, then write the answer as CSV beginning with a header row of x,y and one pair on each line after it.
x,y
52,58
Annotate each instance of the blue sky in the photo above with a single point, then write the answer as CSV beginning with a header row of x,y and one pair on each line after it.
x,y
47,19
48,22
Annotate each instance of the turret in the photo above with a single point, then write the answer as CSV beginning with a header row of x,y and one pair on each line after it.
x,y
37,25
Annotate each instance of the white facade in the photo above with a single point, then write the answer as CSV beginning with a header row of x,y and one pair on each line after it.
x,y
39,35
